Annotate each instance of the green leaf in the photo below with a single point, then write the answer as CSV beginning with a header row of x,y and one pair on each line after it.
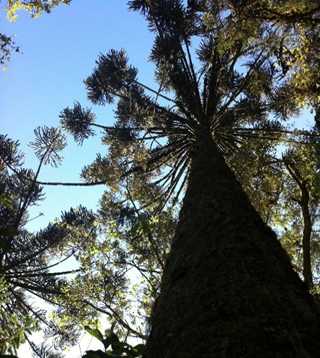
x,y
138,349
95,333
96,354
112,339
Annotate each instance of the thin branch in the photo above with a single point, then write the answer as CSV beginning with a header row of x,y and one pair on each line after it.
x,y
32,287
31,256
42,274
116,316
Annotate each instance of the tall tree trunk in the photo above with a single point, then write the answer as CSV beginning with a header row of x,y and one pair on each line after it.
x,y
307,223
228,288
306,238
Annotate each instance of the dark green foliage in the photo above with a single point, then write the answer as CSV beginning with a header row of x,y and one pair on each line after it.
x,y
9,152
48,143
112,75
113,346
78,121
7,46
29,260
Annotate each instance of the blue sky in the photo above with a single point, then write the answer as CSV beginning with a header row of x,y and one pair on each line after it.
x,y
58,52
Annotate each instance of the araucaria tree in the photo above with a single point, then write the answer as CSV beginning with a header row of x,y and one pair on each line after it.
x,y
228,288
30,261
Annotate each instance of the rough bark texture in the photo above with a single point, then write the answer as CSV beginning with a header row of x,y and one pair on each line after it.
x,y
307,223
228,287
307,230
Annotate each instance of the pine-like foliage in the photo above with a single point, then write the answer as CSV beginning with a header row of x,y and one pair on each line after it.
x,y
210,78
29,260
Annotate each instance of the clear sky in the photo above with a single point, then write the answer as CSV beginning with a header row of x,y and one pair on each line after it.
x,y
58,52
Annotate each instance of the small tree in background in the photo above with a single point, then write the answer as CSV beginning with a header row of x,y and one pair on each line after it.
x,y
28,260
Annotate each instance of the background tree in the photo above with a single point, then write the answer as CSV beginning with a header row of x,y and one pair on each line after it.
x,y
123,267
29,262
117,256
227,276
283,188
301,234
296,54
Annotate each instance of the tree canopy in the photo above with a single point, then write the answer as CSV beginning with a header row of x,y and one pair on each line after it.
x,y
297,48
103,248
229,76
233,88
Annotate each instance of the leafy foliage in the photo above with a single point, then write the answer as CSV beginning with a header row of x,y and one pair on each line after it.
x,y
35,8
113,346
296,54
123,267
12,330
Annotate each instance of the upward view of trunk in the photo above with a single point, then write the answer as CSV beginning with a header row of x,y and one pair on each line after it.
x,y
228,288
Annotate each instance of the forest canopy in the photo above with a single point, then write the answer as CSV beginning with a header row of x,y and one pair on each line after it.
x,y
218,138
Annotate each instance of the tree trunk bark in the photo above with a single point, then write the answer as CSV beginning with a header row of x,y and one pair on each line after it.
x,y
307,231
307,223
228,288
